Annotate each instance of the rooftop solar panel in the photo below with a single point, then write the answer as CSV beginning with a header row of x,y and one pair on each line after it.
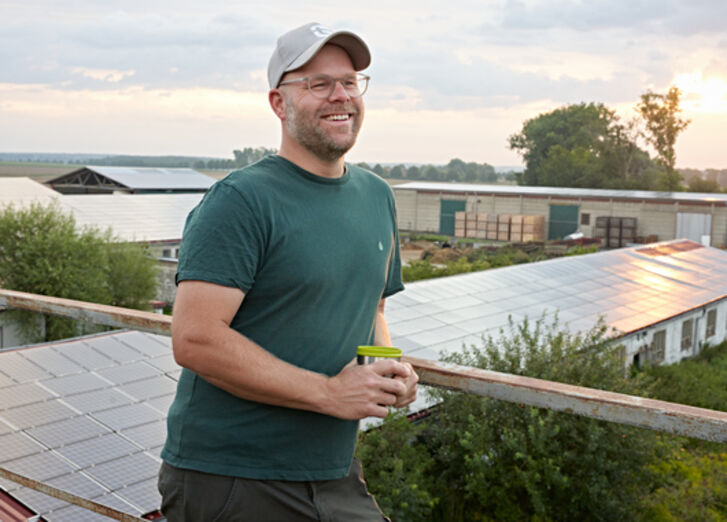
x,y
37,414
67,431
97,450
52,361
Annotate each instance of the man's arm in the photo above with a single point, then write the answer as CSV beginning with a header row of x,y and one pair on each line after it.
x,y
204,343
382,338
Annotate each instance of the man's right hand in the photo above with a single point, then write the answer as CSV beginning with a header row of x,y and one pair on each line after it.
x,y
360,391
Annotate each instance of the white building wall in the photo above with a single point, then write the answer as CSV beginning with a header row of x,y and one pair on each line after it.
x,y
673,353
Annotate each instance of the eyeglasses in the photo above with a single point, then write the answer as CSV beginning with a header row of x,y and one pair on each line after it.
x,y
322,85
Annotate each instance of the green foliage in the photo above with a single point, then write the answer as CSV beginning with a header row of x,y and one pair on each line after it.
x,y
693,487
493,460
691,483
660,114
701,381
582,145
397,463
42,251
455,170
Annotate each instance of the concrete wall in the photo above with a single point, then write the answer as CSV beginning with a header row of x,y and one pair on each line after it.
x,y
166,289
420,211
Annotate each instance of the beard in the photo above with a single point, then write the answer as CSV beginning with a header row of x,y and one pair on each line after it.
x,y
307,131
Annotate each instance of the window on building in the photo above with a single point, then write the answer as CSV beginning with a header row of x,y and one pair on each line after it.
x,y
711,323
655,353
687,334
167,252
585,219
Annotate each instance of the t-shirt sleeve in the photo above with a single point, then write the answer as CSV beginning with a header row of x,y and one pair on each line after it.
x,y
223,240
393,278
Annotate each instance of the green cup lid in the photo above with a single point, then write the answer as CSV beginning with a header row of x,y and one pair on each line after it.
x,y
378,351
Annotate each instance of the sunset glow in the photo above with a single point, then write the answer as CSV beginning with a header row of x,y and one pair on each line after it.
x,y
702,94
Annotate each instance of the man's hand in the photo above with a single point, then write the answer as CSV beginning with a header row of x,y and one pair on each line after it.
x,y
360,391
410,393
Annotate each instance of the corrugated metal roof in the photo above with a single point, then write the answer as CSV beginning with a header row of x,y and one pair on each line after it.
x,y
148,217
146,178
138,217
518,190
24,191
87,416
631,288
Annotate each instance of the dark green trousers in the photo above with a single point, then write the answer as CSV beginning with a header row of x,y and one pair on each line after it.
x,y
192,496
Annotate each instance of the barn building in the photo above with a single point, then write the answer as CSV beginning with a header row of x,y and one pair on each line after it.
x,y
131,180
659,216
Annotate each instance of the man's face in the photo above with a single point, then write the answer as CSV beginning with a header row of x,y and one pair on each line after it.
x,y
326,127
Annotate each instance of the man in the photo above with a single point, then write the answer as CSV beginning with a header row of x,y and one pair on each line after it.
x,y
283,272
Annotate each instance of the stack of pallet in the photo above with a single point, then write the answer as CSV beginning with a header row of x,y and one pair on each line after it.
x,y
492,227
616,232
533,228
499,227
503,227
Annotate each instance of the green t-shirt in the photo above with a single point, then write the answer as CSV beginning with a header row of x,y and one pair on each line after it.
x,y
314,256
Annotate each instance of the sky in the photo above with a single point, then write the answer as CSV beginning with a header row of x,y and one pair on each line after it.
x,y
450,79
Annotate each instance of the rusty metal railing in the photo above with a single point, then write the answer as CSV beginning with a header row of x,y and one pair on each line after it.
x,y
656,415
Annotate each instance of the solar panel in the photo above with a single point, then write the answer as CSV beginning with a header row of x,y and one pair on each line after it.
x,y
40,466
148,344
98,400
129,372
67,431
128,416
125,471
148,388
21,395
17,445
98,450
52,361
144,494
148,435
78,383
37,414
85,356
113,349
21,368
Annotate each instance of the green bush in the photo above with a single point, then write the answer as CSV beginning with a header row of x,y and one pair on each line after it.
x,y
42,251
493,460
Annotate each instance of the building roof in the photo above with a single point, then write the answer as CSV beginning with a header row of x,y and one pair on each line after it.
x,y
632,288
24,191
563,192
138,217
145,178
87,416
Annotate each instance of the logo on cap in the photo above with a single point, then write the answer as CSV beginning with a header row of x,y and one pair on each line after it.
x,y
320,31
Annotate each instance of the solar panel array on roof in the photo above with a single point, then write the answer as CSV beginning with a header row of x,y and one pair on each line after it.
x,y
148,178
24,191
631,288
76,415
151,217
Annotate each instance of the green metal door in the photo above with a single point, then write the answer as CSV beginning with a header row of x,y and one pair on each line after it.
x,y
563,221
446,215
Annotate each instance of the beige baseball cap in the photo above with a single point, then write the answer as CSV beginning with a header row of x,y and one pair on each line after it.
x,y
297,47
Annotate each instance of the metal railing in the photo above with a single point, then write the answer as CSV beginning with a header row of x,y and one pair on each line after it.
x,y
657,415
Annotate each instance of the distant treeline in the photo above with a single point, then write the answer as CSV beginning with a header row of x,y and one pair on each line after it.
x,y
455,170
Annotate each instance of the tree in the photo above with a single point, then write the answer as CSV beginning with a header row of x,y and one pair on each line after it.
x,y
43,251
492,460
660,115
582,145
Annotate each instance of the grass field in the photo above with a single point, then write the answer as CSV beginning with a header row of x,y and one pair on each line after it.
x,y
38,171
